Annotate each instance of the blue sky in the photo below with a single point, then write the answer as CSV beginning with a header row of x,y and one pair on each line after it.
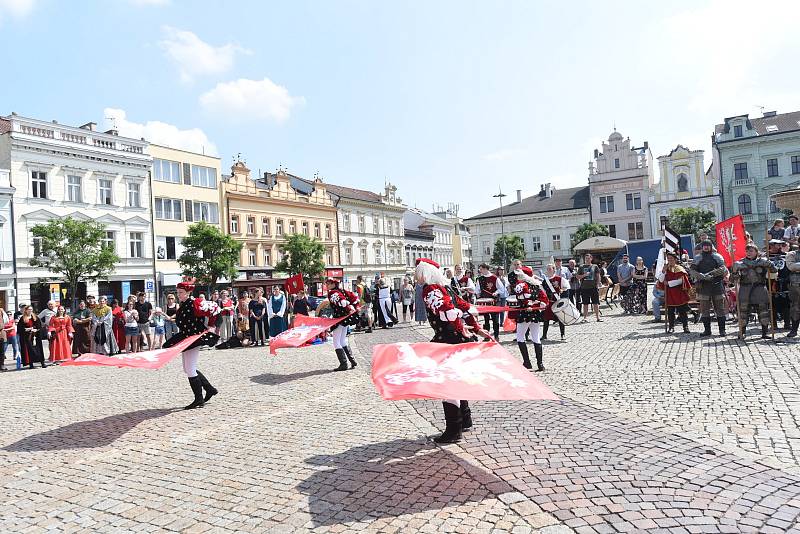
x,y
447,99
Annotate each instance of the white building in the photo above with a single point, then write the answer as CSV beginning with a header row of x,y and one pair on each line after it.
x,y
8,300
683,183
545,222
461,238
442,230
419,244
620,178
59,171
371,233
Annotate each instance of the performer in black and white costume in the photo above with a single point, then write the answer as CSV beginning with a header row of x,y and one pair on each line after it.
x,y
385,317
343,303
190,320
531,300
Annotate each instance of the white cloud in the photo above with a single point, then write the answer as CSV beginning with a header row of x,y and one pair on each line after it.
x,y
244,99
194,57
504,154
160,133
16,8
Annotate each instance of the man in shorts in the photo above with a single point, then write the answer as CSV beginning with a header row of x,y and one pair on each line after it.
x,y
589,276
145,310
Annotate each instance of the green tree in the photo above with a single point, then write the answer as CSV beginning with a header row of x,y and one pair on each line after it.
x,y
506,249
692,221
302,255
73,251
209,254
587,230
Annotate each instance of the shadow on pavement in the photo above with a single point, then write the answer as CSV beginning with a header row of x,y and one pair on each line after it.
x,y
391,479
270,379
86,434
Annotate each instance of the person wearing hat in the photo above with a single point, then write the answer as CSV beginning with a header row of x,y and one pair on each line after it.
x,y
344,304
676,287
708,270
453,321
532,300
752,272
190,320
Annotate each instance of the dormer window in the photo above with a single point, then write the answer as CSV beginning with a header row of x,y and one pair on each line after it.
x,y
737,131
616,163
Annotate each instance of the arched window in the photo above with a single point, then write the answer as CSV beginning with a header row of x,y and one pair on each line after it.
x,y
683,183
745,205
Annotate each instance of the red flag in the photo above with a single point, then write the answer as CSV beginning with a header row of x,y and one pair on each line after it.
x,y
305,329
294,284
731,240
469,371
150,359
492,309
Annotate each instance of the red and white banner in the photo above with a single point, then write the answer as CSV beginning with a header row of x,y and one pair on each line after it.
x,y
731,240
305,329
150,359
468,371
294,284
493,309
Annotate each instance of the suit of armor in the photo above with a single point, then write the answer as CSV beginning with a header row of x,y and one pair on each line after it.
x,y
752,275
793,264
708,270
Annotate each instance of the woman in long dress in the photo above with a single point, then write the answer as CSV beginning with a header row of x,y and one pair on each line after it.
x,y
119,322
635,300
28,329
420,311
61,334
385,317
103,339
276,312
81,323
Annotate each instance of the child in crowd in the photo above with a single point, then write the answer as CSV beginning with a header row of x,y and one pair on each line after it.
x,y
159,327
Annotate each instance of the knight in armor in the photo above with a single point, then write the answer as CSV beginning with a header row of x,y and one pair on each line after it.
x,y
779,282
453,321
793,264
531,300
708,270
752,274
344,304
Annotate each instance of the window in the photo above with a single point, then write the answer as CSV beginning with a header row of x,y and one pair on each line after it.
x,y
363,251
136,245
104,191
348,255
745,205
536,242
234,224
635,231
304,227
328,259
109,240
633,201
166,171
265,229
251,225
345,223
165,248
556,242
795,164
317,232
204,176
134,195
251,257
683,183
205,211
279,227
737,131
74,193
740,171
397,227
361,224
772,167
616,163
607,204
612,230
169,209
39,184
292,226
38,247
376,228
328,232
267,256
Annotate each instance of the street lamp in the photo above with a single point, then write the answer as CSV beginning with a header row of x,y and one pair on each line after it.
x,y
500,196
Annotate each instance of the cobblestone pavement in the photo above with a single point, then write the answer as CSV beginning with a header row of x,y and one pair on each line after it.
x,y
655,433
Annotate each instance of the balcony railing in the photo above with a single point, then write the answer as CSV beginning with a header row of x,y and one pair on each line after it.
x,y
742,182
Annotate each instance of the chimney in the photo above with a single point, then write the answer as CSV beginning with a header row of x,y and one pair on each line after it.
x,y
548,191
770,113
646,145
596,153
519,195
89,126
112,132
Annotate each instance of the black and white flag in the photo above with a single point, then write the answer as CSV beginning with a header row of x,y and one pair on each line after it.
x,y
672,240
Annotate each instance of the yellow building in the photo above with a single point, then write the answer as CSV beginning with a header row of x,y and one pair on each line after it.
x,y
186,189
261,213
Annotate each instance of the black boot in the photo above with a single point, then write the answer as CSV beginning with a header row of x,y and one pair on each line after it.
x,y
545,328
523,349
342,360
706,327
764,332
793,331
721,325
210,390
350,358
466,416
453,420
539,365
197,389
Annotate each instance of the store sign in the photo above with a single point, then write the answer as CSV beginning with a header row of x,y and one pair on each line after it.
x,y
55,292
335,273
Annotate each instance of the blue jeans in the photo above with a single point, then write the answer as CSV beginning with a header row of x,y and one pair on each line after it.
x,y
502,302
658,300
14,342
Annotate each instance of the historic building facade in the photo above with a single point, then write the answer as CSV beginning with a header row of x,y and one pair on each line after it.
x,y
186,189
419,244
545,222
371,233
620,179
8,289
683,183
441,229
59,171
753,159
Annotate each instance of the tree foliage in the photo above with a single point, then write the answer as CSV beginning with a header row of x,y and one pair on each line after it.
x,y
302,255
587,230
72,249
693,221
209,254
506,249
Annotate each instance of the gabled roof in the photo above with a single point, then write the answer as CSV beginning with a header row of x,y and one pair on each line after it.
x,y
5,125
785,122
353,193
561,199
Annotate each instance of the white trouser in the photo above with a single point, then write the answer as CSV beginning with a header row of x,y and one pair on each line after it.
x,y
535,332
190,361
339,337
385,305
